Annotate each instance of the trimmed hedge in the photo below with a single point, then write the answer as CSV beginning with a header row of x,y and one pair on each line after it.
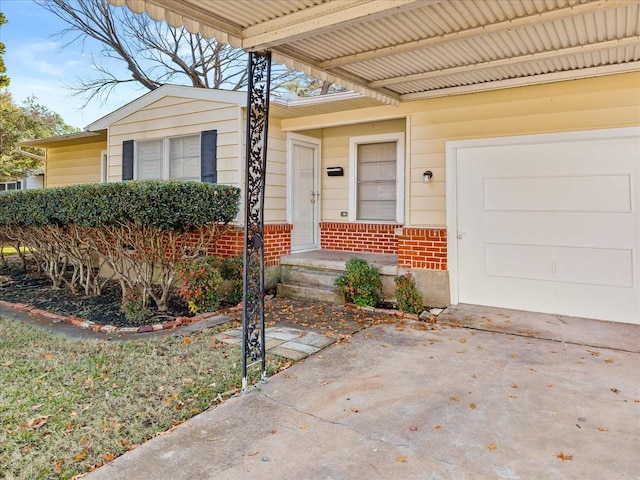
x,y
163,206
135,228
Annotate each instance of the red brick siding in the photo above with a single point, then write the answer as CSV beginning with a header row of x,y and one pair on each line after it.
x,y
420,248
277,242
424,248
359,237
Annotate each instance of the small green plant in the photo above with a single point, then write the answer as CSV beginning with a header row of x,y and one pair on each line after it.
x,y
231,269
133,305
407,294
200,284
360,282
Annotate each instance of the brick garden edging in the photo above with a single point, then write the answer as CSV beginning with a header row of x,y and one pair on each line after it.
x,y
96,327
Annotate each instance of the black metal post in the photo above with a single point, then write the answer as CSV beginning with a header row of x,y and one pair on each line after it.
x,y
253,344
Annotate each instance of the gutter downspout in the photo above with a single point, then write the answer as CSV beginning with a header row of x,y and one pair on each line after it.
x,y
29,154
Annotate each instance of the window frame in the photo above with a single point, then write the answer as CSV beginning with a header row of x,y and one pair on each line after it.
x,y
16,183
165,163
354,142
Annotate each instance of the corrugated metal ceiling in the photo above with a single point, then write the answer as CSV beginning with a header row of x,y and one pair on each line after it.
x,y
397,50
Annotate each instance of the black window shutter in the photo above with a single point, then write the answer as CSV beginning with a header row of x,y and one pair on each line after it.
x,y
209,156
127,160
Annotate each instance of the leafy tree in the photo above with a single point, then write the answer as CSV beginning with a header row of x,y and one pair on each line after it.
x,y
4,80
154,53
29,121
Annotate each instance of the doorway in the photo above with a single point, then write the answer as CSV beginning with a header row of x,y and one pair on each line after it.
x,y
303,188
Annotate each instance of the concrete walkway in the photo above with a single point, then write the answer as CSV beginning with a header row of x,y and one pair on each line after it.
x,y
408,401
287,342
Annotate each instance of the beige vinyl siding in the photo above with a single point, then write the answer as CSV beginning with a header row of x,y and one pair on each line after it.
x,y
174,116
594,103
73,164
334,197
275,199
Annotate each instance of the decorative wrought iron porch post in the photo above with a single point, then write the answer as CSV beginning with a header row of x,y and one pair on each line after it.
x,y
253,344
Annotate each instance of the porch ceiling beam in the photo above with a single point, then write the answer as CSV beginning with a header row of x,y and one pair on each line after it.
x,y
520,22
580,49
322,18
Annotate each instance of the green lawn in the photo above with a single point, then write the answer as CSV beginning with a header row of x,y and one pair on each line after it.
x,y
68,405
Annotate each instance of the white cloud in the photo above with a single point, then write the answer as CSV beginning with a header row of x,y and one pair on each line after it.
x,y
38,56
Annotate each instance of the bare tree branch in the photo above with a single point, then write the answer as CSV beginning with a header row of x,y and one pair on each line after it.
x,y
154,53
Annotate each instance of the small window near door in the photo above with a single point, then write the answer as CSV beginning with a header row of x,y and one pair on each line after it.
x,y
377,164
376,190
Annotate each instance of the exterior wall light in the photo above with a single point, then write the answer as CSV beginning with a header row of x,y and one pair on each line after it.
x,y
426,178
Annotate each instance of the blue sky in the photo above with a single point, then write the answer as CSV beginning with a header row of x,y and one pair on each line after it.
x,y
37,64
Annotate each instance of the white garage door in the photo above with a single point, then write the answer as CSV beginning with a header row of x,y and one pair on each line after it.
x,y
547,223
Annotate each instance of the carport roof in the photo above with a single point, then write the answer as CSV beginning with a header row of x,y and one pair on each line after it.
x,y
399,50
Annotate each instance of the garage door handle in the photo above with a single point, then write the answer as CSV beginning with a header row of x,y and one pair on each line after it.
x,y
461,235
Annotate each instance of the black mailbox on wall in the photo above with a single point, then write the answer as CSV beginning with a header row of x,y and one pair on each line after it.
x,y
335,171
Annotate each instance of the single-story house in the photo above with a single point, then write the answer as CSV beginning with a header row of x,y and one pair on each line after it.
x,y
35,180
509,181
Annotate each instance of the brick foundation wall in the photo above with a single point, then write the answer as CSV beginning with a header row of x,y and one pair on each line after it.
x,y
277,242
359,237
423,248
418,248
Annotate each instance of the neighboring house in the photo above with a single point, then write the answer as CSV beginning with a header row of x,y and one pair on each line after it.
x,y
30,182
510,170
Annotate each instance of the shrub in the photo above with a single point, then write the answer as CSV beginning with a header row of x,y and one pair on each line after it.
x,y
360,282
136,228
407,294
134,307
231,269
201,282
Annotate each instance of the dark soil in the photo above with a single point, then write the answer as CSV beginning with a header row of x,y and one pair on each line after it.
x,y
18,285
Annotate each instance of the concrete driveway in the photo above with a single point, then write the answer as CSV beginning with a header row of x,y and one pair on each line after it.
x,y
412,401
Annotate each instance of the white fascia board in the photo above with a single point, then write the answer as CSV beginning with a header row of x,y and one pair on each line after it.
x,y
194,93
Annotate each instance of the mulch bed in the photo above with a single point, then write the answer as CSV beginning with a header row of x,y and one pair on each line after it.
x,y
30,288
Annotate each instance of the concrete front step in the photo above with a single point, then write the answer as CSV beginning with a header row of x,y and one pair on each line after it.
x,y
335,261
310,292
305,273
307,276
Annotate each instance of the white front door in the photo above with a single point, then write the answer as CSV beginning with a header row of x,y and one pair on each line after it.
x,y
550,223
304,192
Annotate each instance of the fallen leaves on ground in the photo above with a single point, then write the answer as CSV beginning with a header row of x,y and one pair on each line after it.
x,y
401,458
492,446
564,456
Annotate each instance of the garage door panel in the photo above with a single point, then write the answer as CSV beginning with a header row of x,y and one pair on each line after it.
x,y
607,303
581,229
550,223
589,266
594,266
529,262
585,193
